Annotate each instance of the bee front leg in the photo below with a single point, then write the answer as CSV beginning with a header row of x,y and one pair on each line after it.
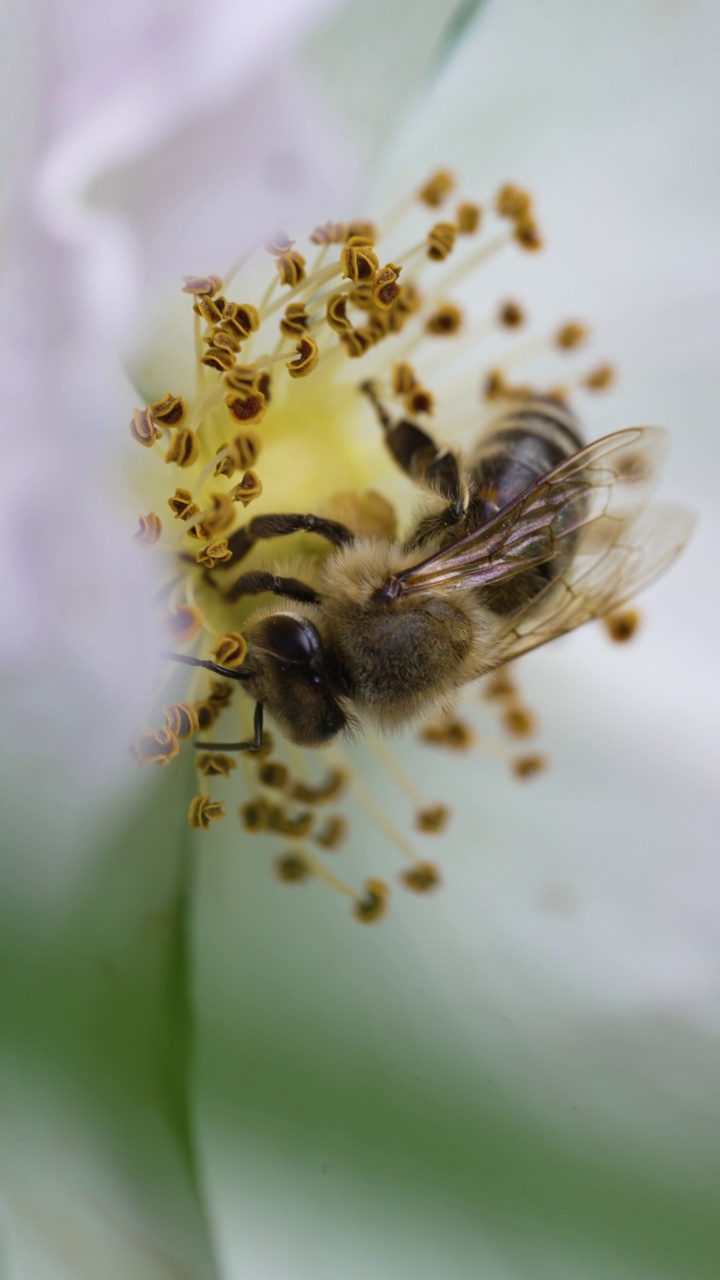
x,y
251,584
243,540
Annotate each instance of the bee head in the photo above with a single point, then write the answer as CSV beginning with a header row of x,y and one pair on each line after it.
x,y
291,677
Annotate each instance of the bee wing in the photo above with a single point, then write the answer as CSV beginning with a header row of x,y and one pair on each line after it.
x,y
597,580
598,491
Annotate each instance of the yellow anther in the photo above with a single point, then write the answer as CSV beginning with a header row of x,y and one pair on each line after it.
x,y
432,819
249,488
255,815
358,260
184,448
292,868
279,244
570,335
203,285
512,202
241,319
421,877
156,746
214,764
329,233
246,407
231,650
197,529
273,773
295,320
437,188
217,553
182,506
219,358
336,313
519,721
386,289
182,719
373,904
224,340
183,623
467,218
291,268
527,235
171,411
332,833
455,735
149,530
403,379
246,377
528,766
622,626
306,359
441,240
599,379
203,811
143,429
445,320
511,315
211,310
419,400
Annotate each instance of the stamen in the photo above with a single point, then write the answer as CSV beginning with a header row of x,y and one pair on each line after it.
x,y
149,530
623,625
203,811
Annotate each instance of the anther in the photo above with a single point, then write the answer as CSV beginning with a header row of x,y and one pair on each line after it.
x,y
599,379
306,359
512,202
214,764
332,833
218,358
290,824
444,320
511,315
241,319
455,735
207,713
386,290
329,233
171,411
295,320
183,623
182,719
437,188
291,268
372,906
360,229
570,335
467,218
421,877
622,626
419,400
184,448
356,342
231,651
220,516
203,811
432,819
404,379
441,240
273,773
246,407
330,789
143,429
279,244
528,766
249,488
202,285
336,313
156,746
217,553
211,310
292,868
527,235
221,693
255,815
149,530
358,260
518,721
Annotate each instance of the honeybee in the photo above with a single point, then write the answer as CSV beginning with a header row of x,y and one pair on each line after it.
x,y
529,536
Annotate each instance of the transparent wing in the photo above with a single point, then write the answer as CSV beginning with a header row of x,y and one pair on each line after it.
x,y
598,491
597,580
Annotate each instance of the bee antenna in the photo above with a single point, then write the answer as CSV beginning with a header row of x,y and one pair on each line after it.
x,y
230,673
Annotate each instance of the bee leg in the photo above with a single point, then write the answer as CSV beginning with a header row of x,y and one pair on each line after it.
x,y
250,584
254,744
277,526
418,455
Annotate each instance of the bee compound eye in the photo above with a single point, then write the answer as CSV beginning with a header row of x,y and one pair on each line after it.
x,y
289,638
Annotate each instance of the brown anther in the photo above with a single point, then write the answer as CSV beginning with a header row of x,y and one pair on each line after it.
x,y
202,285
356,342
255,815
358,260
245,407
279,244
291,268
183,623
570,335
197,529
335,313
527,235
305,360
494,385
332,832
386,290
231,650
295,320
217,553
441,241
623,625
156,746
246,449
241,319
361,230
432,819
519,721
362,295
182,719
207,713
184,448
372,905
290,824
437,188
224,340
171,411
182,506
249,488
330,789
599,379
512,202
444,320
419,400
218,358
149,530
211,310
403,379
421,877
213,764
143,429
528,766
455,735
292,868
468,217
511,315
329,233
273,773
220,696
203,811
